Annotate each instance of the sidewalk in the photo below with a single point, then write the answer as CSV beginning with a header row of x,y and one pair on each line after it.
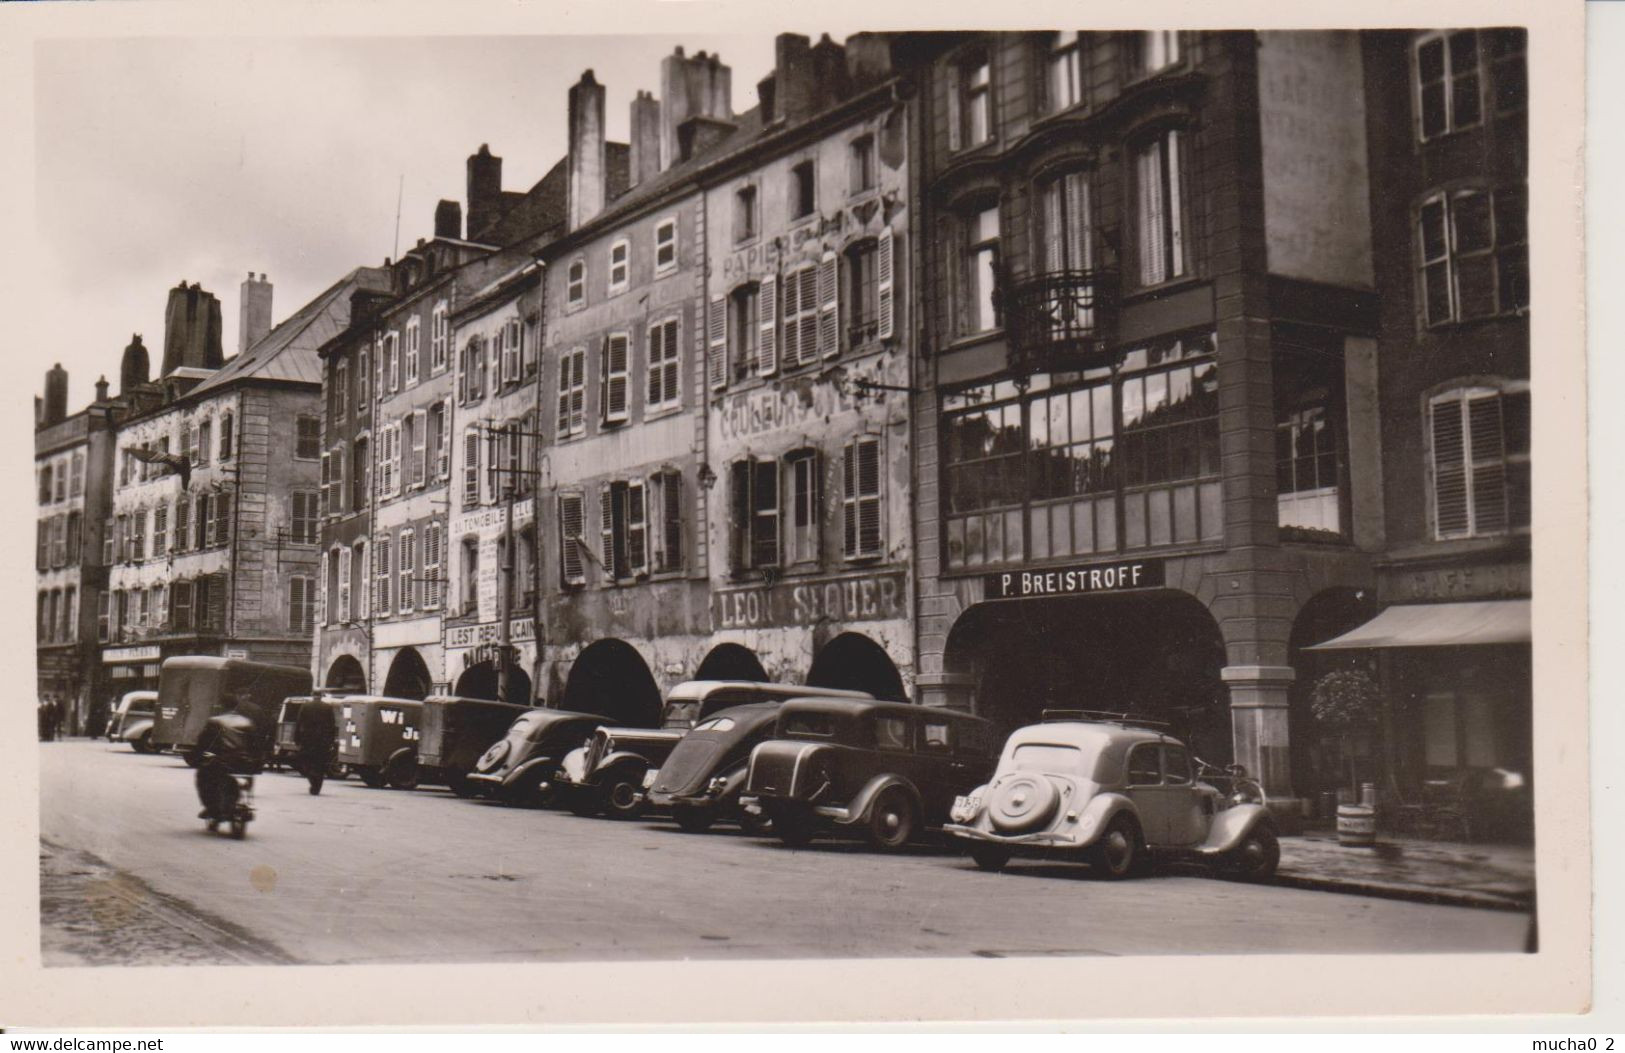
x,y
1498,877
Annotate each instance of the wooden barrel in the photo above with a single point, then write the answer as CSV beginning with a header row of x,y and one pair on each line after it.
x,y
1356,825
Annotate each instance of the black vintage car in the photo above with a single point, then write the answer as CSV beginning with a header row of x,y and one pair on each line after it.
x,y
701,780
520,767
886,769
455,732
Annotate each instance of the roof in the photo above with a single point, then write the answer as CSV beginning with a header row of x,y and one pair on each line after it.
x,y
853,707
288,352
1084,735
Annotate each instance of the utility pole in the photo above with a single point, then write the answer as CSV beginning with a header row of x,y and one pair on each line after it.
x,y
505,593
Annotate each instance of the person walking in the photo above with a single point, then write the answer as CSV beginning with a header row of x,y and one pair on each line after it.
x,y
315,733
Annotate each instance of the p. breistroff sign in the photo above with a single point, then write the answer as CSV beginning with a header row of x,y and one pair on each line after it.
x,y
1077,580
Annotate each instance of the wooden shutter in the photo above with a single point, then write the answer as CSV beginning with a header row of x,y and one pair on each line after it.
x,y
420,447
345,613
471,468
767,308
462,376
1053,224
615,379
829,313
396,460
563,422
606,511
792,319
1149,177
954,77
571,568
443,450
1449,469
222,518
406,561
1176,228
671,520
739,480
637,528
382,569
885,293
1079,244
807,321
765,516
1487,448
716,350
860,499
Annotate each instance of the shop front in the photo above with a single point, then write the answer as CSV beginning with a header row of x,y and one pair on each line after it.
x,y
132,669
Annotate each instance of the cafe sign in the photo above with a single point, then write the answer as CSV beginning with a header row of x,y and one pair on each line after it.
x,y
115,655
858,598
1078,580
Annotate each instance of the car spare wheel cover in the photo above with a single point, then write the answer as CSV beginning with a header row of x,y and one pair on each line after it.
x,y
493,756
1020,802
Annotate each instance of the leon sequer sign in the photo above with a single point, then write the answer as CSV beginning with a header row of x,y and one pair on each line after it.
x,y
1075,580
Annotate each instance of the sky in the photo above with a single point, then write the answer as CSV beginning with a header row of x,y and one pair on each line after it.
x,y
214,157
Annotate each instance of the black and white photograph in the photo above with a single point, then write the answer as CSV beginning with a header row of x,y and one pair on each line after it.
x,y
772,494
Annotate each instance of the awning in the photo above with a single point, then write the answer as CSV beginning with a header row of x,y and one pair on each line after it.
x,y
1440,625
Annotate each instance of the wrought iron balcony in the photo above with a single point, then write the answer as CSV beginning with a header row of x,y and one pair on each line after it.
x,y
1061,321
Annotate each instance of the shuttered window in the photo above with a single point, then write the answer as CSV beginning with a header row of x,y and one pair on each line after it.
x,y
663,365
221,508
861,499
345,612
1480,455
801,514
419,423
304,518
471,468
886,284
511,336
434,539
180,602
613,379
407,560
413,344
829,304
301,605
572,416
801,317
754,500
382,569
666,526
362,576
439,337
716,343
572,569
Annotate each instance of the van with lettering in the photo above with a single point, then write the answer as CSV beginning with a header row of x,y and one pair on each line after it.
x,y
378,738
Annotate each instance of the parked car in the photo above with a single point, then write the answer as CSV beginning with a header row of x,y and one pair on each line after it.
x,y
132,721
455,732
1115,795
888,770
606,775
193,688
700,782
520,767
378,738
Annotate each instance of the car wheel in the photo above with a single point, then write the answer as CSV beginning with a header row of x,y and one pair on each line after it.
x,y
140,745
623,792
1256,858
1117,854
990,857
371,776
891,820
694,820
403,771
583,801
239,829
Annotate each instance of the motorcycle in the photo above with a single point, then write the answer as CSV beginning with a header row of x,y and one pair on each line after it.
x,y
241,812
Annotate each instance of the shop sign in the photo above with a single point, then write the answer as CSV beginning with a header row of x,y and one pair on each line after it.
x,y
487,633
487,520
1079,580
492,653
860,598
237,652
115,655
793,407
1492,581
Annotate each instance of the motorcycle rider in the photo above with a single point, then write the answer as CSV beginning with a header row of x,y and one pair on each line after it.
x,y
229,745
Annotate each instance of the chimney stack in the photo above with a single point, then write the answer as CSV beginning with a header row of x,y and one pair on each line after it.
x,y
645,138
868,58
254,319
448,220
56,395
586,159
191,329
101,389
795,85
135,369
831,80
691,87
39,411
484,191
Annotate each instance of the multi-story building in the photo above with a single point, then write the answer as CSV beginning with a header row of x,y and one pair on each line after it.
x,y
73,456
1447,124
1145,452
215,514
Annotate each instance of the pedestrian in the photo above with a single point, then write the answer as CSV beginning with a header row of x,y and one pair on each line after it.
x,y
228,746
315,733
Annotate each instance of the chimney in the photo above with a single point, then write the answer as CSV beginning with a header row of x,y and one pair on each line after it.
x,y
39,411
255,311
794,84
56,394
645,138
101,389
135,369
766,97
868,58
448,219
484,191
831,81
586,159
691,87
191,329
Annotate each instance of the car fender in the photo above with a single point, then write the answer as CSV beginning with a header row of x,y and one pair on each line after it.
x,y
864,799
615,760
573,768
735,781
522,771
1233,824
133,732
1098,814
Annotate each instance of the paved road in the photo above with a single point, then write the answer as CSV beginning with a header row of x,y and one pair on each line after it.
x,y
360,875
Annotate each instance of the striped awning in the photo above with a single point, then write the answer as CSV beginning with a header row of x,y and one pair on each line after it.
x,y
1439,625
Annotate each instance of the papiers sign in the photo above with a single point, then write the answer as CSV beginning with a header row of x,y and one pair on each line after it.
x,y
1077,580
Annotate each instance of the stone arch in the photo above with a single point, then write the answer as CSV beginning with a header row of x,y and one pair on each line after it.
x,y
408,675
853,662
346,674
480,680
609,677
731,661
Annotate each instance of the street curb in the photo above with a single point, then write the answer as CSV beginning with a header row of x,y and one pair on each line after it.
x,y
1414,893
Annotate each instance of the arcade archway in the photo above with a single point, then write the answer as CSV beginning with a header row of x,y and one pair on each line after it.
x,y
853,662
611,679
1323,762
731,661
480,680
408,675
1155,655
346,674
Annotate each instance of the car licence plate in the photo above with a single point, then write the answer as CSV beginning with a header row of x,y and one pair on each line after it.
x,y
967,805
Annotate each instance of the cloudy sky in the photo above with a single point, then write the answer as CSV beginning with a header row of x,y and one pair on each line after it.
x,y
163,159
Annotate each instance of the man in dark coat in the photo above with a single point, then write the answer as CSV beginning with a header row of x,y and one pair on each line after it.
x,y
316,735
229,744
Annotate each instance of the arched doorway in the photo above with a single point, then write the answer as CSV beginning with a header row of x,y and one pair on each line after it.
x,y
1154,654
731,661
853,662
480,681
345,674
408,675
1323,761
611,679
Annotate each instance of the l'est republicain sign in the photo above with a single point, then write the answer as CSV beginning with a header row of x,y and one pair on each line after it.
x,y
1079,580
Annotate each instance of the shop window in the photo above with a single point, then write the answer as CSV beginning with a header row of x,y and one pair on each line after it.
x,y
1064,84
575,284
801,513
1474,255
978,271
970,101
666,520
803,190
861,502
572,567
572,395
861,164
1459,730
439,337
1480,461
746,219
301,605
1447,83
620,267
665,247
663,391
613,379
754,514
1159,207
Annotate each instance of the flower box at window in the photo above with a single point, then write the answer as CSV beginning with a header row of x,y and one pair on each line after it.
x,y
1063,63
1048,472
575,284
1474,255
861,501
572,395
1447,83
665,247
662,387
620,267
1159,207
1480,461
